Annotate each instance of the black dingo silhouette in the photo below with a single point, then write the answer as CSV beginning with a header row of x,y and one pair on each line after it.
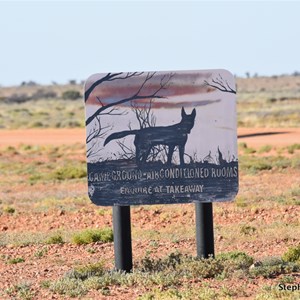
x,y
172,136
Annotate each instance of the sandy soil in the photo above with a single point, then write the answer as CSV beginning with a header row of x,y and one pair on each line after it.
x,y
42,136
254,137
257,137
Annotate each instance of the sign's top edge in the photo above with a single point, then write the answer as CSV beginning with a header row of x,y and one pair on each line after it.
x,y
221,70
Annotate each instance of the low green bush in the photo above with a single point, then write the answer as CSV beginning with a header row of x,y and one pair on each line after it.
x,y
16,260
9,210
272,267
247,230
291,149
21,290
292,254
265,149
46,94
254,164
68,286
240,259
71,95
84,272
69,172
55,239
89,236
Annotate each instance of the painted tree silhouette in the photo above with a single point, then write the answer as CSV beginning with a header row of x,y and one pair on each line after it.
x,y
146,119
220,84
98,132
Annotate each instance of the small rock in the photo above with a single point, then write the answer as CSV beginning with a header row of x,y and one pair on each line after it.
x,y
61,212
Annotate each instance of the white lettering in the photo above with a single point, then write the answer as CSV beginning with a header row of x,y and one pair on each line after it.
x,y
182,189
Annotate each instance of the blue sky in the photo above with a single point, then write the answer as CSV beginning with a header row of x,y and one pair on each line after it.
x,y
49,41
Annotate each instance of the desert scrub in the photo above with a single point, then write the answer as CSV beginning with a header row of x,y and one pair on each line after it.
x,y
249,150
42,112
272,267
16,260
247,230
89,236
9,209
265,149
69,172
292,255
241,201
21,291
34,178
85,271
68,286
174,270
246,150
254,164
242,145
239,260
292,148
71,95
55,239
103,212
272,293
184,294
41,252
164,273
148,264
222,266
291,197
91,250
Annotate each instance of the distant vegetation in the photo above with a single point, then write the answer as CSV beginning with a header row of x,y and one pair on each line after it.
x,y
71,95
269,101
31,105
261,102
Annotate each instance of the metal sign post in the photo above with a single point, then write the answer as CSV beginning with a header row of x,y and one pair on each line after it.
x,y
204,230
122,238
161,138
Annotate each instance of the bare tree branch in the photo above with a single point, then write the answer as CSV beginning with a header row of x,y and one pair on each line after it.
x,y
91,152
159,152
99,100
144,114
136,96
109,77
220,84
97,131
127,152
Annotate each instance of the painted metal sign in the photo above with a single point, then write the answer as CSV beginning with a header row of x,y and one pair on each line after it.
x,y
161,137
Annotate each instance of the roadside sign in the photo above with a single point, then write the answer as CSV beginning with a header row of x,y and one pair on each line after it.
x,y
161,137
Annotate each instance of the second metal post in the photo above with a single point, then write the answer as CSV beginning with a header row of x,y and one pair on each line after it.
x,y
122,238
204,230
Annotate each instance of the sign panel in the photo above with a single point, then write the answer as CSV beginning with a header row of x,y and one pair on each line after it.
x,y
161,137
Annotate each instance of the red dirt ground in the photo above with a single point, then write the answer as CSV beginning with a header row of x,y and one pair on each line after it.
x,y
254,137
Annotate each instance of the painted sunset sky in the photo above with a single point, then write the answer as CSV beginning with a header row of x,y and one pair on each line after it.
x,y
215,123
